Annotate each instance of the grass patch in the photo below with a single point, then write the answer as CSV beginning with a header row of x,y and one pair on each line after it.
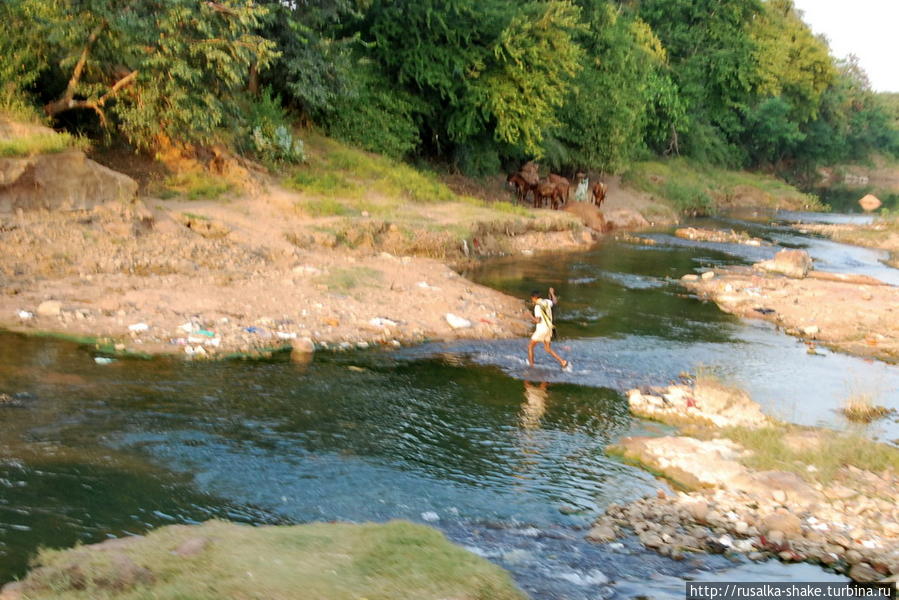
x,y
344,280
336,170
41,143
860,408
692,188
325,207
324,184
196,185
393,561
791,448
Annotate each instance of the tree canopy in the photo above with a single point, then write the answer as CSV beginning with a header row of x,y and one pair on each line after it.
x,y
475,84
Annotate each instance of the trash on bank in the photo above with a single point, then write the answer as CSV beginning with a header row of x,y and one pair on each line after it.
x,y
103,360
138,327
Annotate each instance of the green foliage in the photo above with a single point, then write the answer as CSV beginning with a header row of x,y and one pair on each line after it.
x,y
534,58
376,115
623,87
175,69
792,62
774,135
267,133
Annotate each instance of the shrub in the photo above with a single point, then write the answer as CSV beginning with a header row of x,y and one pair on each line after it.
x,y
267,132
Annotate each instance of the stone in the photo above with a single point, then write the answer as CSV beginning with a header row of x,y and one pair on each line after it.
x,y
853,557
625,218
457,322
63,181
49,308
302,350
602,533
792,263
779,496
708,275
775,537
863,572
651,540
783,521
870,202
699,510
690,277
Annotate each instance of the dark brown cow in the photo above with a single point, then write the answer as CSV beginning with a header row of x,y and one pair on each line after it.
x,y
562,183
598,191
520,185
548,191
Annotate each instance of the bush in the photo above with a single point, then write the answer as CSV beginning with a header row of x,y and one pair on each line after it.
x,y
267,133
376,115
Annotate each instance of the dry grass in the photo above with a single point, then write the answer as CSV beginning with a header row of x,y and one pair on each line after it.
x,y
771,450
860,408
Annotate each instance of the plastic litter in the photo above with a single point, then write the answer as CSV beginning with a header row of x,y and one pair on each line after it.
x,y
457,322
285,335
102,360
382,322
138,327
25,315
188,327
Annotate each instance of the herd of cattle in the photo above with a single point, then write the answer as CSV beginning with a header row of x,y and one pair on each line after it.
x,y
553,191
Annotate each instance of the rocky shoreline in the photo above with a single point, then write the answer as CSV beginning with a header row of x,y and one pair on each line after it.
x,y
860,316
849,524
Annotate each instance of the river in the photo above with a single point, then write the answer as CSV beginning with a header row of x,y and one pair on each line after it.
x,y
507,461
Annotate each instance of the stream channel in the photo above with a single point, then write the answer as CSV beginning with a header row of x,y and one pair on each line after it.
x,y
505,460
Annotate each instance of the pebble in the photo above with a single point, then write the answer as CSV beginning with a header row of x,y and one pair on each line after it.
x,y
708,275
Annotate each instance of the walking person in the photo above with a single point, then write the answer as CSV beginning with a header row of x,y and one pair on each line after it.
x,y
543,332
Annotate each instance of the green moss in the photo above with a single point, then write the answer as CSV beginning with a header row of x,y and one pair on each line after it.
x,y
347,279
393,561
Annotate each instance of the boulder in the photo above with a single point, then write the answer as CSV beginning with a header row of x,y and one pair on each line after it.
x,y
589,215
625,218
63,181
49,308
792,263
870,203
601,533
783,521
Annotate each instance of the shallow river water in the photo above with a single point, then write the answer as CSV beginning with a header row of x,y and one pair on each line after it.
x,y
507,461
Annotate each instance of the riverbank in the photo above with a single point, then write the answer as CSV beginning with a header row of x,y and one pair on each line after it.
x,y
882,234
349,251
752,485
338,561
853,314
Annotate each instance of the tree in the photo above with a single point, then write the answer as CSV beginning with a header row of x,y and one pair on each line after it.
x,y
712,57
147,68
623,93
792,62
481,66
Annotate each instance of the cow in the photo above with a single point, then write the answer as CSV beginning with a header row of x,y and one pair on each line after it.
x,y
563,184
598,191
520,185
547,190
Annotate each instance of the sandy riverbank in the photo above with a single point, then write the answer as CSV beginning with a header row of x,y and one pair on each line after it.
x,y
857,316
213,279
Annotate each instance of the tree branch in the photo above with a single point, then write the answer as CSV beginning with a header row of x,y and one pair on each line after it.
x,y
60,104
